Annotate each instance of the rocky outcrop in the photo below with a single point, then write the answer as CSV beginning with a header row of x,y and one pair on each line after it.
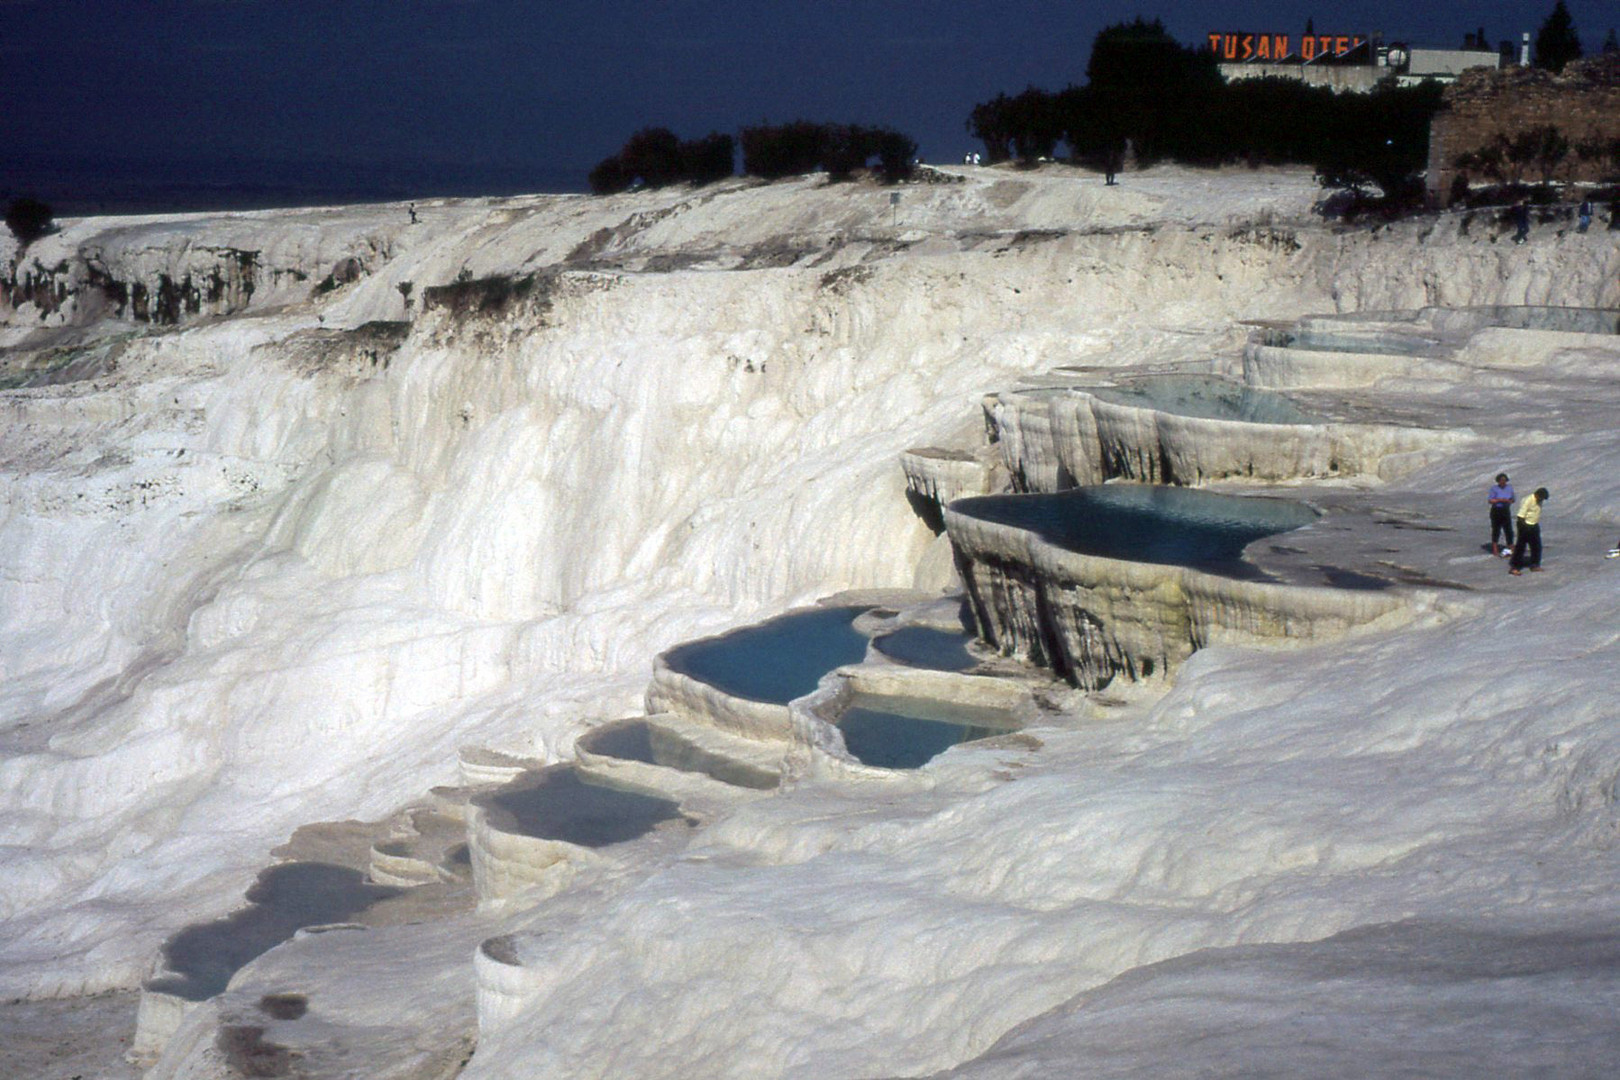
x,y
172,270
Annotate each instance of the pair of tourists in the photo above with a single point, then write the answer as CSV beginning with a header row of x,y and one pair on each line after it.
x,y
1525,540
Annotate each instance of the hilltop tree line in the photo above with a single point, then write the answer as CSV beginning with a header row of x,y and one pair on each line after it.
x,y
656,157
1164,101
1146,96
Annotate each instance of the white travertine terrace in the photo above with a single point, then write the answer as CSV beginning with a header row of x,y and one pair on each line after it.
x,y
508,863
159,1015
1281,367
251,580
481,765
1094,619
679,694
1442,345
1055,439
881,678
693,760
942,476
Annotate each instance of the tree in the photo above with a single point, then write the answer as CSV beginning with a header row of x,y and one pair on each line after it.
x,y
28,219
895,152
1157,89
656,158
991,123
609,177
654,155
1556,42
711,158
1548,147
1382,139
773,152
1036,126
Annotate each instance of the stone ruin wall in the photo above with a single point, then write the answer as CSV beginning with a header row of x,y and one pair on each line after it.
x,y
1581,102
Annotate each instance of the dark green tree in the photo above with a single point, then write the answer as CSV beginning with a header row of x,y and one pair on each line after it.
x,y
895,152
711,158
1381,139
655,158
1556,42
774,151
1158,89
991,122
609,177
654,155
28,219
1036,125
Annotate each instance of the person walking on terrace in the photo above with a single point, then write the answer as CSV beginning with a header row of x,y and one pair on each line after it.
x,y
1521,218
1527,552
1500,498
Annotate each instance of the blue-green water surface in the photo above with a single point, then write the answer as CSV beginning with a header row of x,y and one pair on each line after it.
x,y
285,899
1207,397
559,804
777,660
927,647
1151,523
907,732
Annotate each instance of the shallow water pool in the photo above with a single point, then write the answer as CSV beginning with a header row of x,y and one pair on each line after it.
x,y
285,899
777,660
1206,397
637,740
906,732
559,804
1151,523
927,647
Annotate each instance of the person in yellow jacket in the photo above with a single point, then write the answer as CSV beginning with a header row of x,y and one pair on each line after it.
x,y
1529,540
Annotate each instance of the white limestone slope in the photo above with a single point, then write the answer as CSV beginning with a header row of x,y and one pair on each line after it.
x,y
1280,798
263,573
266,572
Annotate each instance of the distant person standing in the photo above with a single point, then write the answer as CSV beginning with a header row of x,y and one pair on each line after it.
x,y
1500,498
1584,216
413,213
1521,218
1527,552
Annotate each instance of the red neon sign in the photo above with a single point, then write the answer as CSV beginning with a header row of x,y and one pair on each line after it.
x,y
1238,47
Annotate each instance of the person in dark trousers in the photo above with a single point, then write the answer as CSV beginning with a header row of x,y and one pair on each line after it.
x,y
1500,498
1527,552
1584,216
1521,218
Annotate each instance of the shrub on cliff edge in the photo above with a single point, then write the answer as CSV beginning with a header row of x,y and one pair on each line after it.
x,y
655,157
28,219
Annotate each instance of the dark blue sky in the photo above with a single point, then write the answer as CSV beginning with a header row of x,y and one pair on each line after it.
x,y
412,96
